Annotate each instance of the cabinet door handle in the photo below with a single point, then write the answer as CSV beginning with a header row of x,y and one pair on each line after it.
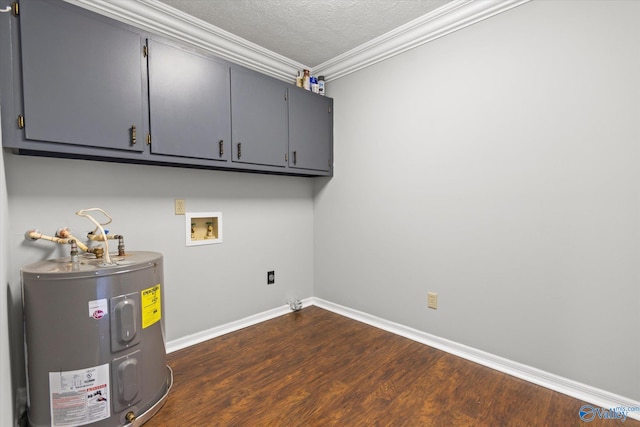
x,y
221,147
239,149
133,134
295,157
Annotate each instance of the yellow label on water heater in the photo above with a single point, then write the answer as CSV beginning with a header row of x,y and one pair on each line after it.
x,y
151,306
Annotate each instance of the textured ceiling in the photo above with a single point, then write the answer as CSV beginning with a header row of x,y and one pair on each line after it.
x,y
308,32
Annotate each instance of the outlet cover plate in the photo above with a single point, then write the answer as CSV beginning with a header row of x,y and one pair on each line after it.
x,y
432,300
180,207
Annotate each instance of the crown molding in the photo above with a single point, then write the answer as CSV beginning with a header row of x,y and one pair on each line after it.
x,y
442,21
159,18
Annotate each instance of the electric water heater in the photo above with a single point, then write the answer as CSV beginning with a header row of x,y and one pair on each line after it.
x,y
94,340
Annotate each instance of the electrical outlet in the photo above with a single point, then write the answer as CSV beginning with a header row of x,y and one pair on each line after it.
x,y
180,207
271,277
432,300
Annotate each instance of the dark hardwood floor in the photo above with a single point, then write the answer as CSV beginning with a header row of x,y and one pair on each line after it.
x,y
317,368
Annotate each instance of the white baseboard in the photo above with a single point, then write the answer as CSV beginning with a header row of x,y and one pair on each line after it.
x,y
593,395
199,337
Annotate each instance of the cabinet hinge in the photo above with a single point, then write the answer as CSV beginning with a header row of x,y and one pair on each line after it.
x,y
20,121
145,50
15,8
148,139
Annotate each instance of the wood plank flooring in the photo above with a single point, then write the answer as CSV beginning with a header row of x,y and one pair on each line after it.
x,y
317,368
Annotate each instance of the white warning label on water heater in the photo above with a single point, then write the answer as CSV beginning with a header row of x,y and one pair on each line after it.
x,y
79,397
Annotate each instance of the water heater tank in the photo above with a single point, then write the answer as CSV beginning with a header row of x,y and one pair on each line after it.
x,y
94,341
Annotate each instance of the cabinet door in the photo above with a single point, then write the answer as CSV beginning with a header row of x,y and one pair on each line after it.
x,y
188,103
310,130
83,77
259,119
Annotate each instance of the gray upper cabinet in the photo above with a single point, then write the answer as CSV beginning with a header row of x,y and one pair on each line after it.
x,y
259,119
74,83
189,103
82,78
310,130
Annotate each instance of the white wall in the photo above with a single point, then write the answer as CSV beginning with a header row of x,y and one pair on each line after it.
x,y
498,167
6,393
267,220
